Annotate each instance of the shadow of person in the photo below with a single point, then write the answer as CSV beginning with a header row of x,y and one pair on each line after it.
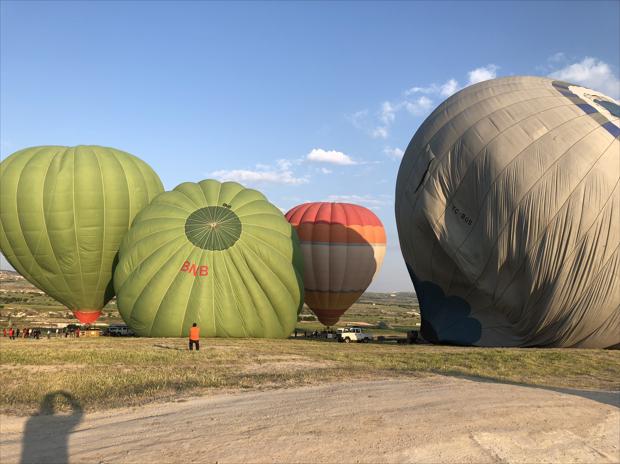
x,y
46,434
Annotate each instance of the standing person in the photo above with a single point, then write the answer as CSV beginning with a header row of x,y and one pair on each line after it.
x,y
4,332
77,332
194,337
17,333
57,332
11,333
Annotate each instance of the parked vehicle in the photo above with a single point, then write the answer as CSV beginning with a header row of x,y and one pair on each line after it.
x,y
353,334
119,330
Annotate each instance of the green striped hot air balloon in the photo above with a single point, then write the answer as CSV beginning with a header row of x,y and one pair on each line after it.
x,y
213,253
63,214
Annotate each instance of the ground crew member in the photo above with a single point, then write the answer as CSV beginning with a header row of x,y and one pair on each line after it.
x,y
194,337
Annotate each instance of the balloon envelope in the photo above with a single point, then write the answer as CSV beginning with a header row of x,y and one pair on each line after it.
x,y
213,253
63,214
508,215
343,247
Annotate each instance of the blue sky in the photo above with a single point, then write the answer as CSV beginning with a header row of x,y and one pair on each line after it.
x,y
304,101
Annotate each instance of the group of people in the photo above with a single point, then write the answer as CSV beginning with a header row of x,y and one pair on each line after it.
x,y
16,332
325,333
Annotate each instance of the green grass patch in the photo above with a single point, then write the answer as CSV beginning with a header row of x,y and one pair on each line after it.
x,y
110,372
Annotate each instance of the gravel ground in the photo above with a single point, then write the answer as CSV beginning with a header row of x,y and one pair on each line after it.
x,y
429,420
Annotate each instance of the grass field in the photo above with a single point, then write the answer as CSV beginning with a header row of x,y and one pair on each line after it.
x,y
110,372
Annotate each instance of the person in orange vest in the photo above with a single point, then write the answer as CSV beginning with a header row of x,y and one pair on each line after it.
x,y
194,337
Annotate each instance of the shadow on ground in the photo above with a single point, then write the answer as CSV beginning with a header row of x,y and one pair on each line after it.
x,y
611,398
46,435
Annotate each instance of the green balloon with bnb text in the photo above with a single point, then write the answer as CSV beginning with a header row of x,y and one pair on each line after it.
x,y
213,253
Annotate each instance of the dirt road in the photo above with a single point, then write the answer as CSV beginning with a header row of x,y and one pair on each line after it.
x,y
437,419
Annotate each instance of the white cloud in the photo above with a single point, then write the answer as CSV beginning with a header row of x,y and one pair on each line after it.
x,y
380,132
394,153
369,201
326,171
281,173
593,73
248,176
447,89
558,57
387,114
553,63
361,120
417,100
284,164
484,73
329,156
358,118
430,89
419,106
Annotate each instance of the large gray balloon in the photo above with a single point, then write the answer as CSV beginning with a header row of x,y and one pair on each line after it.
x,y
508,214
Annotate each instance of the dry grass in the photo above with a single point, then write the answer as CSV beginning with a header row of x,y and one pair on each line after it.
x,y
110,372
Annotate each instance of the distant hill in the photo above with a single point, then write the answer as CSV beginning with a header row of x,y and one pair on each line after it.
x,y
5,274
13,281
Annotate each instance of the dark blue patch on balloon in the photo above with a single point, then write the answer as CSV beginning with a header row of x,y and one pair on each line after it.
x,y
445,319
612,129
612,107
588,109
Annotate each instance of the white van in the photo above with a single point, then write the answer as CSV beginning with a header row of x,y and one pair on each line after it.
x,y
353,334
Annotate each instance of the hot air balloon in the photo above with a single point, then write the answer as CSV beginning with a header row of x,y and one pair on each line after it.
x,y
508,214
213,253
63,214
343,247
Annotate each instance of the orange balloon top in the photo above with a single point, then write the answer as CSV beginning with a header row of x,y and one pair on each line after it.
x,y
336,223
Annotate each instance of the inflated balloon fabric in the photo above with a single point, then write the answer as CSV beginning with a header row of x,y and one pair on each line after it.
x,y
343,247
213,253
63,214
508,214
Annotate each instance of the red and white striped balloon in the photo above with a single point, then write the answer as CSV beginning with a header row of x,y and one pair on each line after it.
x,y
343,247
